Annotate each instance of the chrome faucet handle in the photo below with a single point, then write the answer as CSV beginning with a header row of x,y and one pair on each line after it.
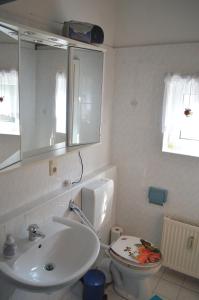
x,y
34,232
33,228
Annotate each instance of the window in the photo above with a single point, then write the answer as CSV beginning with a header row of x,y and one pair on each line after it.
x,y
9,103
181,115
60,103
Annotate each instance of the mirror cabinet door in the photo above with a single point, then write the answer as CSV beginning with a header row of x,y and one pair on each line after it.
x,y
36,123
10,139
43,77
85,96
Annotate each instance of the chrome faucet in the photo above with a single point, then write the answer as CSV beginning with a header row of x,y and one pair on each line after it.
x,y
34,232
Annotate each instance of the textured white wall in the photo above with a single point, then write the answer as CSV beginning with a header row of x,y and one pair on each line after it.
x,y
137,140
141,22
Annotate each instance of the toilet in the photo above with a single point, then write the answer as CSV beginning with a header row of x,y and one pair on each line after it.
x,y
130,278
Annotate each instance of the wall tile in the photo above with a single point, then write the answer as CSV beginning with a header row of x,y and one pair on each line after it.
x,y
17,227
137,140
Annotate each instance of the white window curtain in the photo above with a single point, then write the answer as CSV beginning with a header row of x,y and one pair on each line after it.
x,y
60,102
9,102
181,92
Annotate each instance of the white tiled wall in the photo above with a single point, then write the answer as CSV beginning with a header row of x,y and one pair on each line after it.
x,y
137,140
52,204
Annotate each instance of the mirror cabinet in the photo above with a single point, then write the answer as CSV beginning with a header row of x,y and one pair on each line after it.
x,y
10,137
50,93
85,94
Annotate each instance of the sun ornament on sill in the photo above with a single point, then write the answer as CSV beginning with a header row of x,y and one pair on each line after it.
x,y
188,112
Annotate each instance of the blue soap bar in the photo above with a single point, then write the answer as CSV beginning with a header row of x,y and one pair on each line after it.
x,y
157,195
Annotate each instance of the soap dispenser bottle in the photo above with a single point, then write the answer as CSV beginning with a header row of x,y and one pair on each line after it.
x,y
10,247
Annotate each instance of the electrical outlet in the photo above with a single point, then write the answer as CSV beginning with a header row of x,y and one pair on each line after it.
x,y
52,167
67,183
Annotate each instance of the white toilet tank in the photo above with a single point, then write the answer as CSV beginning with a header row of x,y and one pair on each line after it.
x,y
97,200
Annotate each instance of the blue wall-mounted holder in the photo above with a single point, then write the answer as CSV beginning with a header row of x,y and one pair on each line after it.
x,y
157,196
156,298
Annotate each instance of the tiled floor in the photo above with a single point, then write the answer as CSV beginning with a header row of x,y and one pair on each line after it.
x,y
169,285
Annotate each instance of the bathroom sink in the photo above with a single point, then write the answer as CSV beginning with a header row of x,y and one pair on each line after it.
x,y
68,250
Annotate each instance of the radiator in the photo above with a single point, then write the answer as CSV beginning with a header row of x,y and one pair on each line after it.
x,y
180,247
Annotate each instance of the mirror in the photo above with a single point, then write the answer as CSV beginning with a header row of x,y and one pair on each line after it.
x,y
60,89
43,94
9,98
85,96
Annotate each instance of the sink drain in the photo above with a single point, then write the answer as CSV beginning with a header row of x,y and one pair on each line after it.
x,y
49,267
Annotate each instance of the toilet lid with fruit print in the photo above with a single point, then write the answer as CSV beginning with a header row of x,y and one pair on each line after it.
x,y
136,251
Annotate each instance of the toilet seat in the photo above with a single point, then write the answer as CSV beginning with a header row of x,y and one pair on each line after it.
x,y
119,251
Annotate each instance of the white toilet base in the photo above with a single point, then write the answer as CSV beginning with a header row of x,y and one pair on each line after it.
x,y
123,294
142,294
132,284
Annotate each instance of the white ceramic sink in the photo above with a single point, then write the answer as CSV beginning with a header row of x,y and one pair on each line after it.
x,y
60,259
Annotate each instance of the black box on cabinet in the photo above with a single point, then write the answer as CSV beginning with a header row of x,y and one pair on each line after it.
x,y
83,32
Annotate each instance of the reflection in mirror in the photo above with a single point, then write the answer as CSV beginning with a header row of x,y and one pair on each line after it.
x,y
43,72
85,96
9,98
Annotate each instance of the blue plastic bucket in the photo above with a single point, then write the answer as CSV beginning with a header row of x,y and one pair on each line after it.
x,y
94,284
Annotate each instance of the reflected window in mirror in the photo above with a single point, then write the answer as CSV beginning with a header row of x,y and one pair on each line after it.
x,y
43,96
181,115
10,140
60,103
9,107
